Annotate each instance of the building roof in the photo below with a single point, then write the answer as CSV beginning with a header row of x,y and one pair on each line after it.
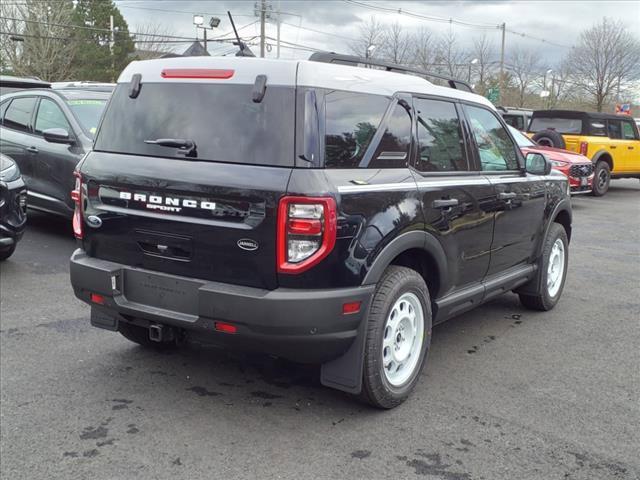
x,y
195,50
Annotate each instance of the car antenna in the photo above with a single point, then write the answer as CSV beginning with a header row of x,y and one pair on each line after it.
x,y
243,51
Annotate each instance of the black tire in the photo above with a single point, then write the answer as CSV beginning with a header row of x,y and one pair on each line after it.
x,y
395,282
140,335
7,252
601,179
549,138
541,299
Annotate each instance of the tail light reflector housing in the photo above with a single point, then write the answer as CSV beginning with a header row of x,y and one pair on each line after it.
x,y
306,232
76,196
584,147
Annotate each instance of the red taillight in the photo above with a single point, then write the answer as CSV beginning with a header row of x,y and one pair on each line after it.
x,y
225,327
196,73
584,147
99,299
306,232
76,196
351,307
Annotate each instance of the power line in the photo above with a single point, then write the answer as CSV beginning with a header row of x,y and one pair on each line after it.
x,y
319,31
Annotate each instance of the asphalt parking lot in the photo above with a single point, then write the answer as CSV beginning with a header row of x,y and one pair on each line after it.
x,y
506,394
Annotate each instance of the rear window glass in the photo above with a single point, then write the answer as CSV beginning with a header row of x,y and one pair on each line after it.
x,y
351,121
222,120
516,121
560,125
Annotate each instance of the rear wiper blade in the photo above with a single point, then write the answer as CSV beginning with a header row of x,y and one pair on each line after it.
x,y
185,147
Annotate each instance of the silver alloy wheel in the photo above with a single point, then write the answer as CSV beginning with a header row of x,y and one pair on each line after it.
x,y
402,339
555,268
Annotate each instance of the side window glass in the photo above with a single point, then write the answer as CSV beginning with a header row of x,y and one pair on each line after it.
x,y
627,131
3,108
614,129
50,116
439,137
497,150
393,149
18,114
351,121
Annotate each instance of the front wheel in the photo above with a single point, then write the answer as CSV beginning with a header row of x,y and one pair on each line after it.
x,y
601,179
7,252
398,337
553,273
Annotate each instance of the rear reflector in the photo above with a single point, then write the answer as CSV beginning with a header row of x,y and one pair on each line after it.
x,y
225,327
196,73
351,307
99,299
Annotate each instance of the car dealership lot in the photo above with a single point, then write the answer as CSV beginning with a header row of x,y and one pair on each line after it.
x,y
507,393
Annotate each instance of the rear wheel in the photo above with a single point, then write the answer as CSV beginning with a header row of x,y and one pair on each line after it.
x,y
553,271
398,337
7,252
601,179
140,335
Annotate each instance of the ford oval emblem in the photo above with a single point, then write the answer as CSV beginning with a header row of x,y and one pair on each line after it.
x,y
94,221
248,244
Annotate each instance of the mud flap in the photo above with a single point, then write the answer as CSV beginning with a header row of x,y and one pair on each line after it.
x,y
345,372
104,319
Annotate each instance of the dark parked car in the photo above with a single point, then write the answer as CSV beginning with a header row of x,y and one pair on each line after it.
x,y
47,132
13,206
10,84
319,212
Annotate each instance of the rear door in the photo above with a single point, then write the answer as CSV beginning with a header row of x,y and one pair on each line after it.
x,y
518,198
17,136
457,201
207,211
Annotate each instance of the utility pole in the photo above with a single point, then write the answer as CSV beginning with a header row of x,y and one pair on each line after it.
x,y
263,16
112,42
278,35
205,40
503,27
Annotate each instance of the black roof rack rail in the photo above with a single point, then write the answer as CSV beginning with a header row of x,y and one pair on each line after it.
x,y
331,57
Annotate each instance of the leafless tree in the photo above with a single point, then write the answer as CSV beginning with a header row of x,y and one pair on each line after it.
x,y
151,41
424,49
451,57
45,49
606,60
397,44
371,33
483,52
524,65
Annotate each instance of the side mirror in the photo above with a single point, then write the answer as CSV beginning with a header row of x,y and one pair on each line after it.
x,y
57,135
537,164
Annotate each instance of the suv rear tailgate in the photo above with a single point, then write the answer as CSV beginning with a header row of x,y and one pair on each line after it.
x,y
213,221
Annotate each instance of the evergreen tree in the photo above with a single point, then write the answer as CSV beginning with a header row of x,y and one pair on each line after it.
x,y
96,59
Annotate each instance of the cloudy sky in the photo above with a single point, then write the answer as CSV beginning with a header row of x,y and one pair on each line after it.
x,y
331,24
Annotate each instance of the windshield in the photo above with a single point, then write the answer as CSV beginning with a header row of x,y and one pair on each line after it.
x,y
218,122
88,112
521,139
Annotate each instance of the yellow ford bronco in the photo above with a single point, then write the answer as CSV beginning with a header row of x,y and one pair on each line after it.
x,y
611,142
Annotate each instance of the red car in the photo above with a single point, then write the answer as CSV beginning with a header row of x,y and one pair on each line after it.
x,y
577,167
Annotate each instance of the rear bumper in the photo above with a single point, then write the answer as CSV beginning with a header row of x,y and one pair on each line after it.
x,y
301,325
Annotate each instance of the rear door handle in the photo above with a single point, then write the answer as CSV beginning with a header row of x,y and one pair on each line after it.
x,y
32,149
630,148
613,147
445,203
507,195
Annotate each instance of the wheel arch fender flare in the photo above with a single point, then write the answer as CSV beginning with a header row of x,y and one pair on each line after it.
x,y
415,239
602,153
562,209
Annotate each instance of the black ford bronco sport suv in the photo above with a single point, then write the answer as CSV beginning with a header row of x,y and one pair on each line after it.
x,y
319,212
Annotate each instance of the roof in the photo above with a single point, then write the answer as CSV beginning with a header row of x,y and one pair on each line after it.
x,y
195,50
84,85
296,73
24,82
577,114
71,94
